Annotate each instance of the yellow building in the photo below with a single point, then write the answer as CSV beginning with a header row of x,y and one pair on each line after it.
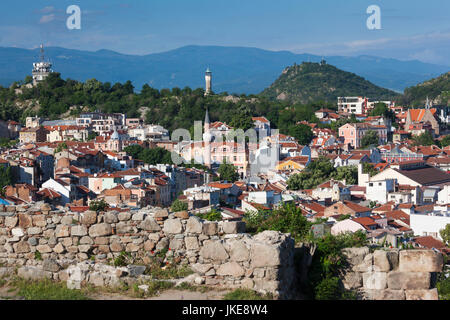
x,y
293,163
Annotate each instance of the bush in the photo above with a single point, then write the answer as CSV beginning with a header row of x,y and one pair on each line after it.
x,y
213,215
101,205
246,294
178,205
46,290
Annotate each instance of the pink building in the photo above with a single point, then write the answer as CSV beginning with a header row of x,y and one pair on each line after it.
x,y
352,133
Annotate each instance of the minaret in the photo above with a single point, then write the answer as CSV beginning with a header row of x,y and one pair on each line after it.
x,y
208,80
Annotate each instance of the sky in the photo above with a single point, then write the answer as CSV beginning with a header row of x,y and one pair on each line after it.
x,y
410,29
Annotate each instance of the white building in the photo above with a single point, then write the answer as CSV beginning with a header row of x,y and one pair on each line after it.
x,y
355,105
444,195
378,190
429,224
66,190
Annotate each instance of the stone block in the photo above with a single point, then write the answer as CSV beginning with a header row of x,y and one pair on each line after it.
x,y
124,216
11,222
233,227
230,269
78,231
409,280
239,251
375,280
264,255
116,246
355,256
191,243
34,231
194,225
111,217
172,226
213,250
100,230
149,245
21,247
123,228
352,280
17,232
210,228
176,244
25,221
431,294
39,221
420,261
182,215
51,265
67,220
201,268
89,217
59,248
33,273
162,214
44,248
149,224
62,231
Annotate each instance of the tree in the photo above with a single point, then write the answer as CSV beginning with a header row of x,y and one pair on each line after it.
x,y
96,205
349,173
445,141
369,139
151,156
6,177
424,139
445,234
179,205
369,168
228,172
302,133
380,109
316,172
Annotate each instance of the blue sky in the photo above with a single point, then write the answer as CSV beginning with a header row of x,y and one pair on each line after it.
x,y
410,29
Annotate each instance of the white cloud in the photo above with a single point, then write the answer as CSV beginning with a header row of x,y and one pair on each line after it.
x,y
47,9
47,18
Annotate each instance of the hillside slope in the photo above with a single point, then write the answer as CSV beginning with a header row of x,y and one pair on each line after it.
x,y
311,82
437,90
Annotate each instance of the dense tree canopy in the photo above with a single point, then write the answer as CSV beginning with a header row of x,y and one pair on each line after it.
x,y
151,156
370,139
424,139
228,172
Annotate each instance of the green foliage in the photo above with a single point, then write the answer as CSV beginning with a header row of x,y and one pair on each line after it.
x,y
8,143
287,219
46,290
228,172
62,146
380,109
369,168
443,287
151,156
213,215
311,82
424,139
436,88
371,138
445,142
92,135
96,205
344,217
179,205
445,234
329,261
319,171
123,259
246,294
37,255
6,177
302,133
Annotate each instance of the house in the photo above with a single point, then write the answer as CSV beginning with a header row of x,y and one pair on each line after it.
x,y
429,224
347,225
25,192
262,126
422,116
352,133
33,135
203,196
378,190
50,196
293,163
334,190
103,181
228,192
66,189
347,208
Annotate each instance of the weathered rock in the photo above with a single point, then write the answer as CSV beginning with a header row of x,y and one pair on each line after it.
x,y
123,228
124,216
34,231
78,231
263,255
67,220
420,261
172,226
100,230
116,246
409,280
352,280
51,265
162,244
213,250
266,286
230,269
39,221
32,241
201,268
191,243
25,221
381,261
86,240
62,231
33,273
232,227
111,217
135,271
182,215
366,265
210,228
239,251
101,240
89,217
59,248
431,294
355,256
194,225
21,247
149,245
17,232
44,248
131,247
138,216
162,214
11,222
97,279
386,294
176,244
149,224
375,280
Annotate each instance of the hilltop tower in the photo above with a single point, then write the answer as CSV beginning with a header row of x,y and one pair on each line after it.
x,y
208,80
41,69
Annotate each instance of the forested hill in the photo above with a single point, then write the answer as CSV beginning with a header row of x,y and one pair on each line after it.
x,y
311,82
437,90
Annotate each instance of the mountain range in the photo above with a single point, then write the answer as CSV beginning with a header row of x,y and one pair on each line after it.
x,y
235,69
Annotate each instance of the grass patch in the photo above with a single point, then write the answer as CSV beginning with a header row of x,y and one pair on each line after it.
x,y
154,288
2,282
170,272
246,294
45,290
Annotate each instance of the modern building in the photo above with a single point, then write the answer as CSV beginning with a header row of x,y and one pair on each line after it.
x,y
41,69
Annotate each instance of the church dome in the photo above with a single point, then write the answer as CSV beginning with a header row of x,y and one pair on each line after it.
x,y
115,135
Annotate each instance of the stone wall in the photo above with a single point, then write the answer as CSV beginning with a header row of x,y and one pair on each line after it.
x,y
79,247
393,274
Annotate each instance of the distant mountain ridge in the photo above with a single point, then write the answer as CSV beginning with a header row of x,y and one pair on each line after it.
x,y
436,89
310,82
235,69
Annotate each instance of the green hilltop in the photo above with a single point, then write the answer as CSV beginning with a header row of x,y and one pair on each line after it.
x,y
309,82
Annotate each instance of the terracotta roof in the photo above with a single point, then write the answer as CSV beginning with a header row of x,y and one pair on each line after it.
x,y
261,119
49,193
356,207
398,215
220,185
366,222
429,242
